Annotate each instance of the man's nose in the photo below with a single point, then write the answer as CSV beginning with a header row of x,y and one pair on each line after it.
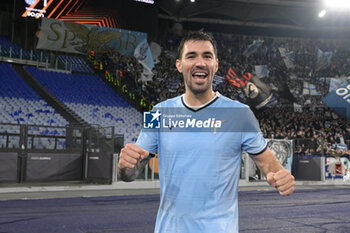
x,y
200,62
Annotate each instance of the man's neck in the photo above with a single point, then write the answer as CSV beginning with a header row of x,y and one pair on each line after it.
x,y
198,99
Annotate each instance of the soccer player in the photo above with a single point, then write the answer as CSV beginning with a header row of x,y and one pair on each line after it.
x,y
199,166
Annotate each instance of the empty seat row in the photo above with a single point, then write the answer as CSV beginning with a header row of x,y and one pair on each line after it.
x,y
90,98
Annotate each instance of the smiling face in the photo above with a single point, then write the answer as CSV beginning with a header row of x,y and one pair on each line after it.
x,y
198,65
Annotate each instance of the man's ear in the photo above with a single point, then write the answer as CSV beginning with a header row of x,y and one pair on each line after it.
x,y
178,65
216,65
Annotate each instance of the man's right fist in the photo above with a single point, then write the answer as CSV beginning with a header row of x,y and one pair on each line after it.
x,y
130,155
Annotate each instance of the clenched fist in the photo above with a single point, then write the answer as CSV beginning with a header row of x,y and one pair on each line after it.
x,y
282,180
130,155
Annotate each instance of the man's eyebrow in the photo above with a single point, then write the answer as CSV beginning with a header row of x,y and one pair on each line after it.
x,y
208,53
190,53
193,53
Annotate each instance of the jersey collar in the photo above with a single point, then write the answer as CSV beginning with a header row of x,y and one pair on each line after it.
x,y
197,108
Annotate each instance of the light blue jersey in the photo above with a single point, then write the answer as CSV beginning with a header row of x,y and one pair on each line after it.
x,y
199,168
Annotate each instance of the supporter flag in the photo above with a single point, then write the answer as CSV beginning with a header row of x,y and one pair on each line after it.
x,y
237,81
146,75
337,82
323,59
253,47
241,96
273,87
273,101
293,76
143,55
280,78
217,81
310,89
339,100
341,147
262,71
297,107
70,37
258,93
283,151
173,85
156,50
288,58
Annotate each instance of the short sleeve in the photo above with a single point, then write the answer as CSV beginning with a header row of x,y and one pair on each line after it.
x,y
148,141
253,141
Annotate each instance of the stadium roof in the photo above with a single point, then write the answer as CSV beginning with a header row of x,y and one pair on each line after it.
x,y
280,14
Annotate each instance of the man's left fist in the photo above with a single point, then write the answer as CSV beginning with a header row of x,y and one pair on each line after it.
x,y
282,180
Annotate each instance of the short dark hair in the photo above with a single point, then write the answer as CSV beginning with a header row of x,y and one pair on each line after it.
x,y
196,36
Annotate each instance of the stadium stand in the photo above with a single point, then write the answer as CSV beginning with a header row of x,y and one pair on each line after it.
x,y
92,100
76,64
281,121
21,105
9,49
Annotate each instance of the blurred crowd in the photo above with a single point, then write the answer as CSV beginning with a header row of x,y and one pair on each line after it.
x,y
319,127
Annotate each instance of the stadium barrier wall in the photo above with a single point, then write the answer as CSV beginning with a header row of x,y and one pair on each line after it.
x,y
38,153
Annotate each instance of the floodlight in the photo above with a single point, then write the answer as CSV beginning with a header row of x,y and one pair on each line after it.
x,y
322,13
338,4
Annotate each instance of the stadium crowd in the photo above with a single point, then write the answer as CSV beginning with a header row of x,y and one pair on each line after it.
x,y
320,126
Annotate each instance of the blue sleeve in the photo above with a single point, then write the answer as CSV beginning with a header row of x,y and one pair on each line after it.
x,y
148,141
253,141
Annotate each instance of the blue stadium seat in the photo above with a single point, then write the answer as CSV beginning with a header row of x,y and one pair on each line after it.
x,y
20,104
90,98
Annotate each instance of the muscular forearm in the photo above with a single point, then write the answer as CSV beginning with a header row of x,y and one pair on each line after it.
x,y
272,166
130,174
276,175
267,162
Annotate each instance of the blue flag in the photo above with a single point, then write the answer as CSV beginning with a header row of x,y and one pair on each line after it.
x,y
262,71
288,57
253,47
339,100
217,81
309,89
143,55
323,59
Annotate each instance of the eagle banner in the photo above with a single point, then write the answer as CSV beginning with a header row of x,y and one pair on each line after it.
x,y
283,151
69,37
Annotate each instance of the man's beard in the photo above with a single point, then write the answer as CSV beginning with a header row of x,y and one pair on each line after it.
x,y
197,91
